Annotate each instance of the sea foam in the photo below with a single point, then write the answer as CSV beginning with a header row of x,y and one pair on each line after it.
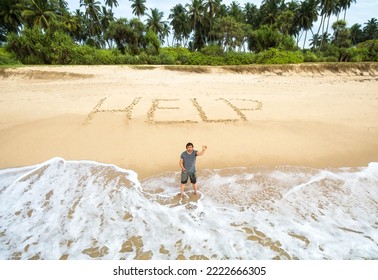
x,y
87,210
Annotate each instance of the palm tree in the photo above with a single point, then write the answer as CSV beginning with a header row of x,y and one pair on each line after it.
x,y
11,15
328,8
92,9
107,16
285,23
80,32
156,24
166,31
371,29
345,5
72,25
211,8
306,16
92,16
62,7
39,12
315,42
196,15
325,39
270,9
251,15
139,7
180,23
111,3
356,34
236,12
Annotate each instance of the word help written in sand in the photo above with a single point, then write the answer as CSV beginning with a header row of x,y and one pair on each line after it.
x,y
169,111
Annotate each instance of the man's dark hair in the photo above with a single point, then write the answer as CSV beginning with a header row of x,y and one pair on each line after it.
x,y
189,144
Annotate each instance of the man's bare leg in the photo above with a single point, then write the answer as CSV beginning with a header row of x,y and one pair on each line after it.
x,y
182,189
195,188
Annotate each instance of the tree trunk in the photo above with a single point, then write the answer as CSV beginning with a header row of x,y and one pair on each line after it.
x,y
304,41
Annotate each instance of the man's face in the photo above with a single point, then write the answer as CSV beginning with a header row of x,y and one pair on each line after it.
x,y
189,149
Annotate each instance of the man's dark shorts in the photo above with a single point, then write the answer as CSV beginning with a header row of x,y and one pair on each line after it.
x,y
192,176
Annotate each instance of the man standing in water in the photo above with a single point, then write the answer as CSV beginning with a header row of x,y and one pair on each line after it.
x,y
188,166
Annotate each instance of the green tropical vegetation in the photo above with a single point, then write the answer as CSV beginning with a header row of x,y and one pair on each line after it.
x,y
201,32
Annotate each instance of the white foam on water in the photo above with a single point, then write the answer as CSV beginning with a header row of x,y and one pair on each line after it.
x,y
87,210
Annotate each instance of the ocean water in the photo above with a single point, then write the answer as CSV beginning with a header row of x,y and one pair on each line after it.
x,y
86,210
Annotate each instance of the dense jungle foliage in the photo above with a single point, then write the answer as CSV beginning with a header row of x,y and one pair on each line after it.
x,y
202,32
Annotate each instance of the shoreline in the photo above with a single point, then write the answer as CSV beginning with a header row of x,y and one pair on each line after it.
x,y
310,68
141,119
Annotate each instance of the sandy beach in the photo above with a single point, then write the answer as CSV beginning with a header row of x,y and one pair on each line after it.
x,y
140,118
289,149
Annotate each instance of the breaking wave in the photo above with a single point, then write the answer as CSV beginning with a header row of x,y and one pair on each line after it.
x,y
87,210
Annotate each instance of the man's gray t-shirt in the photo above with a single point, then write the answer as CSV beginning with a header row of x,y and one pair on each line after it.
x,y
189,161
